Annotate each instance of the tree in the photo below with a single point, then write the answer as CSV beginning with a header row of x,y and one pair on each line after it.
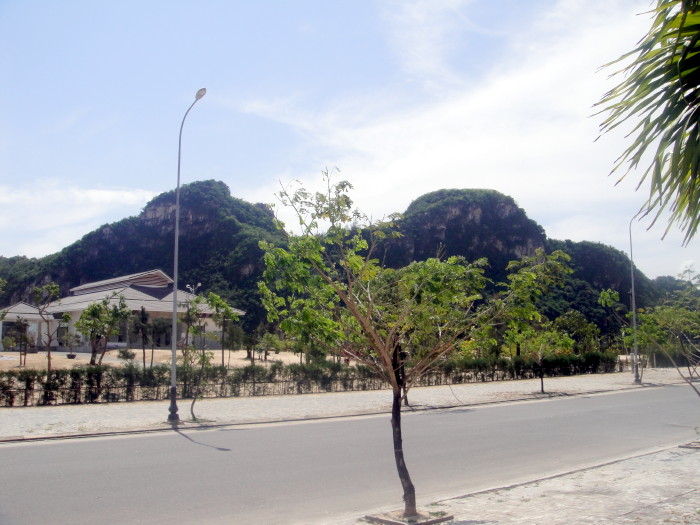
x,y
101,320
528,280
3,283
668,325
585,334
8,343
43,297
72,341
192,317
197,363
161,327
21,332
540,343
269,342
327,286
142,328
222,314
675,324
660,94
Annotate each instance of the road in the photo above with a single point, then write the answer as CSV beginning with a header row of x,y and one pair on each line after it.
x,y
320,472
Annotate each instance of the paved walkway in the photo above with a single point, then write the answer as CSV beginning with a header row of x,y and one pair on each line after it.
x,y
655,488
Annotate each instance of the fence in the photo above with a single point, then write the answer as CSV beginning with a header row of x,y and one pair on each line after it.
x,y
101,390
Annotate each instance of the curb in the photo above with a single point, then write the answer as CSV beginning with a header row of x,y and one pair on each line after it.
x,y
566,473
408,410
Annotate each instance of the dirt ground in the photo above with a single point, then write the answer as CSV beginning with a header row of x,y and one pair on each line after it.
x,y
232,358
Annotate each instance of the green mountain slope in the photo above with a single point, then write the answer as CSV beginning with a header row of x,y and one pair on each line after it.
x,y
219,237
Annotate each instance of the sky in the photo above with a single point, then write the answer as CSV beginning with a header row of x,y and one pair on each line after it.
x,y
402,97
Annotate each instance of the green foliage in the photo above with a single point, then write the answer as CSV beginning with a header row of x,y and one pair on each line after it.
x,y
196,363
584,334
220,241
596,267
100,320
529,366
327,287
222,310
659,94
20,274
546,342
126,355
95,384
141,327
43,297
674,325
270,343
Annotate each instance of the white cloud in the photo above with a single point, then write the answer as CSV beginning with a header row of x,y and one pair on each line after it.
x,y
423,34
526,129
520,124
46,216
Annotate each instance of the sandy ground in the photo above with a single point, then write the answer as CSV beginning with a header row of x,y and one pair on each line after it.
x,y
233,359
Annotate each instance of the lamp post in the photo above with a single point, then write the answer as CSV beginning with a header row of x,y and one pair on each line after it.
x,y
633,301
173,416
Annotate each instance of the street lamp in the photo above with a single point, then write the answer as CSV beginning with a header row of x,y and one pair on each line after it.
x,y
635,347
172,416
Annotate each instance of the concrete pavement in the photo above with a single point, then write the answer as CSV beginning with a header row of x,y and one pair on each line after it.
x,y
661,487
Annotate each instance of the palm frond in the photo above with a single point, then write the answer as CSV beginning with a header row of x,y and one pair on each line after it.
x,y
661,88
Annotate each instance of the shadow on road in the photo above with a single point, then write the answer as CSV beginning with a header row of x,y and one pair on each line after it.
x,y
188,438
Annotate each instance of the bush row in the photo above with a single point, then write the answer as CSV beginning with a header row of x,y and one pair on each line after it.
x,y
93,384
521,367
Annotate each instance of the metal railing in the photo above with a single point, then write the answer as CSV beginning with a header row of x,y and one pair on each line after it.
x,y
85,394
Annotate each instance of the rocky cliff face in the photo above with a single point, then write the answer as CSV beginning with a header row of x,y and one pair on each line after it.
x,y
219,237
471,223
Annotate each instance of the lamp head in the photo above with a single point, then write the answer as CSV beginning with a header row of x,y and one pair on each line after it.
x,y
200,93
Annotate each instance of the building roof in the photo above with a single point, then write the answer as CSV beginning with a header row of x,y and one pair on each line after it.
x,y
152,290
151,279
21,310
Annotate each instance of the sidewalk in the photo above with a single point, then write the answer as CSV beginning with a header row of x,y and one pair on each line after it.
x,y
655,488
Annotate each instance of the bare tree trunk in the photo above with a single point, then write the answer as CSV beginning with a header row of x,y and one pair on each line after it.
x,y
409,491
104,351
402,375
93,354
673,362
542,378
223,342
48,349
194,400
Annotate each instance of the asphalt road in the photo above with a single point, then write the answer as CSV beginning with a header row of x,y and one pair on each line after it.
x,y
321,472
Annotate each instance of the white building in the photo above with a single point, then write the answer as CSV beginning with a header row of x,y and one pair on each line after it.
x,y
152,290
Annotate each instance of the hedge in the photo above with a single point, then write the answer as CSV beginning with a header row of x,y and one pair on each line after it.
x,y
98,384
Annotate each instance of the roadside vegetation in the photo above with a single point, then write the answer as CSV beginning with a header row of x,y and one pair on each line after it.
x,y
131,382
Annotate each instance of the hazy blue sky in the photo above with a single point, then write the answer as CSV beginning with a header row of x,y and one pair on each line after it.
x,y
404,97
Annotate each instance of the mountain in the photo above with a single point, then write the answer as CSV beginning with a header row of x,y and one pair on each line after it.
x,y
470,223
486,223
219,237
